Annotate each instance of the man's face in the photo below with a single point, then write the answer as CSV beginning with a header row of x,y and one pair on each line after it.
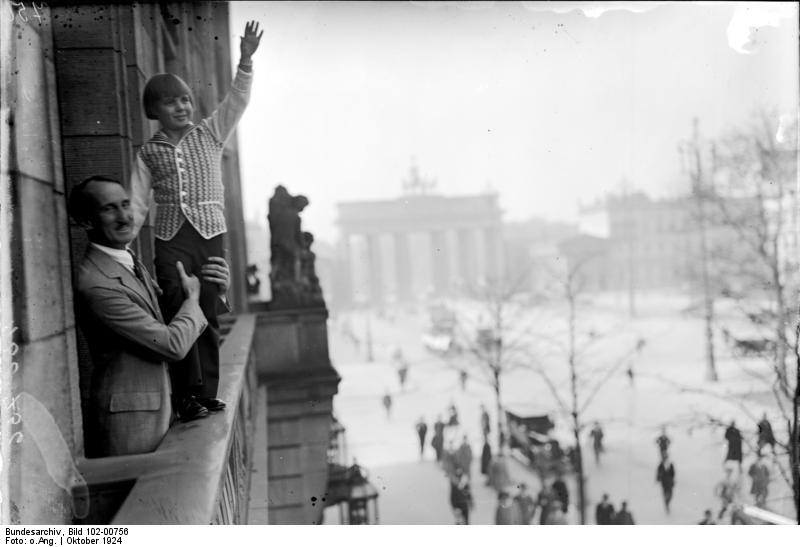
x,y
111,221
175,113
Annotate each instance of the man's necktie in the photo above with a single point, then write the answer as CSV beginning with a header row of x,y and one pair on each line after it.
x,y
137,269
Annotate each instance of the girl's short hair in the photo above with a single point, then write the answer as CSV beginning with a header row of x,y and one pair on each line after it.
x,y
160,86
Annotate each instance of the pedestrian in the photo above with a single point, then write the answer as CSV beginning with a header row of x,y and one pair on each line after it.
x,y
759,474
663,442
624,516
526,504
727,490
485,422
561,493
665,474
464,457
462,378
543,501
486,458
437,442
422,432
597,441
507,511
499,477
604,512
387,404
402,374
453,419
461,497
734,438
708,518
449,463
765,434
555,515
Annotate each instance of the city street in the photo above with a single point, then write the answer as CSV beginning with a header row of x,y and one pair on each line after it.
x,y
668,372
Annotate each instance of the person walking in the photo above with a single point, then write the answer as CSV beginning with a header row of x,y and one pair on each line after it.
x,y
402,374
486,458
727,490
561,493
663,442
708,518
453,419
449,463
543,501
555,515
624,517
507,511
437,442
597,441
526,504
499,477
461,497
422,432
665,474
486,427
604,512
765,434
462,379
387,404
464,457
734,438
759,474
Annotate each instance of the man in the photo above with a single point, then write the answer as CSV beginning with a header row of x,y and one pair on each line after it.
x,y
765,434
759,473
526,504
624,517
663,443
464,457
422,432
129,407
604,512
707,518
734,438
665,474
597,441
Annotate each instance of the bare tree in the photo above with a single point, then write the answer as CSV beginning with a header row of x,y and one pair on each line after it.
x,y
753,201
584,383
492,336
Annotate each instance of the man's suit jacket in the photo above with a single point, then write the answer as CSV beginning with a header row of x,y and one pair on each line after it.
x,y
129,405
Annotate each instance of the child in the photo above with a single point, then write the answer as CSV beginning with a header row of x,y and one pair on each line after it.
x,y
180,165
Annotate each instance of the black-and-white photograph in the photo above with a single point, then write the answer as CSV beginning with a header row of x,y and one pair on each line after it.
x,y
398,263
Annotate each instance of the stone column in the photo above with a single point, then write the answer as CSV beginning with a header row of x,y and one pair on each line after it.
x,y
493,247
343,295
374,268
466,251
403,270
439,258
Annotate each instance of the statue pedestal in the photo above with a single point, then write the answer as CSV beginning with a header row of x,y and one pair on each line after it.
x,y
291,349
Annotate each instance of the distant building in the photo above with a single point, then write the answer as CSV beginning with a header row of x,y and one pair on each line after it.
x,y
407,249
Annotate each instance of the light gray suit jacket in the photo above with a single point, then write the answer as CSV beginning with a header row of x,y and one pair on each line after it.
x,y
129,405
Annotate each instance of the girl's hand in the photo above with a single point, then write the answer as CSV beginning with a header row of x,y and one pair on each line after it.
x,y
216,271
250,40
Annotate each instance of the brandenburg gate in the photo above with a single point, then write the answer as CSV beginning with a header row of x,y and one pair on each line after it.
x,y
418,246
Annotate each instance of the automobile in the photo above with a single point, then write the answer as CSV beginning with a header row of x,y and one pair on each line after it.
x,y
535,439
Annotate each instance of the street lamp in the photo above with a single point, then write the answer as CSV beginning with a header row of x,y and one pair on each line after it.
x,y
362,498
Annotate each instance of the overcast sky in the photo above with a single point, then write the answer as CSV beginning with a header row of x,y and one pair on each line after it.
x,y
543,103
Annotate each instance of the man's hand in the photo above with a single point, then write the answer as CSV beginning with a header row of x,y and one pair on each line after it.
x,y
249,42
190,284
216,271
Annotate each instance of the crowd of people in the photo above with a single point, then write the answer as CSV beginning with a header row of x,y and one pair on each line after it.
x,y
516,504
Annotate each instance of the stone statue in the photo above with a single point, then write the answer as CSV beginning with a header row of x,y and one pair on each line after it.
x,y
293,278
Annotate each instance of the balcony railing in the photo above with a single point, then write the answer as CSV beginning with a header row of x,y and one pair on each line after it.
x,y
200,473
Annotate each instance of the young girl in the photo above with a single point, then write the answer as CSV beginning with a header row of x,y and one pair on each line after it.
x,y
181,166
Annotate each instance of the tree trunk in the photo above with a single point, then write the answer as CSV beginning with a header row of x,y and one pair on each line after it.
x,y
499,404
579,469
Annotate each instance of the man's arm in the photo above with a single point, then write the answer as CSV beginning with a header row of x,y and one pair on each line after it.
x,y
140,193
118,312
